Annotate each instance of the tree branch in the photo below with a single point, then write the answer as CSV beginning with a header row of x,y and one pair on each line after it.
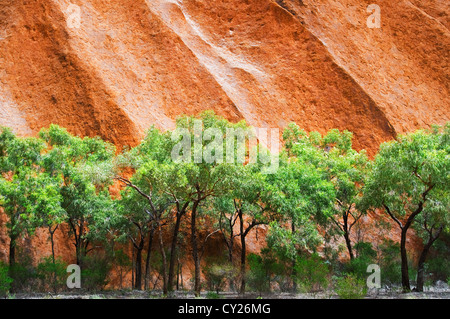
x,y
129,184
392,216
206,239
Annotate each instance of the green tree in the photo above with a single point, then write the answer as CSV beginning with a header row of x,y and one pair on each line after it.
x,y
410,177
247,204
429,226
85,167
158,183
19,160
186,180
144,209
206,173
302,194
345,167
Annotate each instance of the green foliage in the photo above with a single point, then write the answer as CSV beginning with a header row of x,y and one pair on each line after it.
x,y
350,287
322,182
86,168
390,262
300,193
51,275
23,275
340,166
409,172
95,271
25,191
311,273
5,280
212,295
410,181
217,275
366,255
258,277
437,268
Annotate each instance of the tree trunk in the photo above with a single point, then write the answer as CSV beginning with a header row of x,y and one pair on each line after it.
x,y
173,250
422,259
78,233
404,259
230,240
347,236
195,254
147,261
12,261
230,257
420,268
243,253
164,259
404,228
12,252
138,265
53,247
230,249
78,254
52,233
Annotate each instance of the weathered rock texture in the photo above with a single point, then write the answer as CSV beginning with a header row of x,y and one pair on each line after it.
x,y
134,63
131,64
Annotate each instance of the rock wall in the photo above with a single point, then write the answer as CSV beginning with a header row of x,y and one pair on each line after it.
x,y
134,63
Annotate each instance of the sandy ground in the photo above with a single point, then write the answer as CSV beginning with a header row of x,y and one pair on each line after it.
x,y
430,293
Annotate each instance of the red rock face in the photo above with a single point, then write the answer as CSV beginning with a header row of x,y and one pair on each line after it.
x,y
134,63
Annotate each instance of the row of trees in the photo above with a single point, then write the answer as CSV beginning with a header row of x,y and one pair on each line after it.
x,y
321,183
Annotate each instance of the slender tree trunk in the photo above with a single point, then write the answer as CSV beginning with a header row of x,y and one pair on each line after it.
x,y
230,240
164,259
243,253
195,253
77,241
230,257
53,247
78,254
421,266
230,250
349,245
12,252
404,228
404,262
52,233
173,249
422,259
138,265
80,244
347,236
147,261
12,261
